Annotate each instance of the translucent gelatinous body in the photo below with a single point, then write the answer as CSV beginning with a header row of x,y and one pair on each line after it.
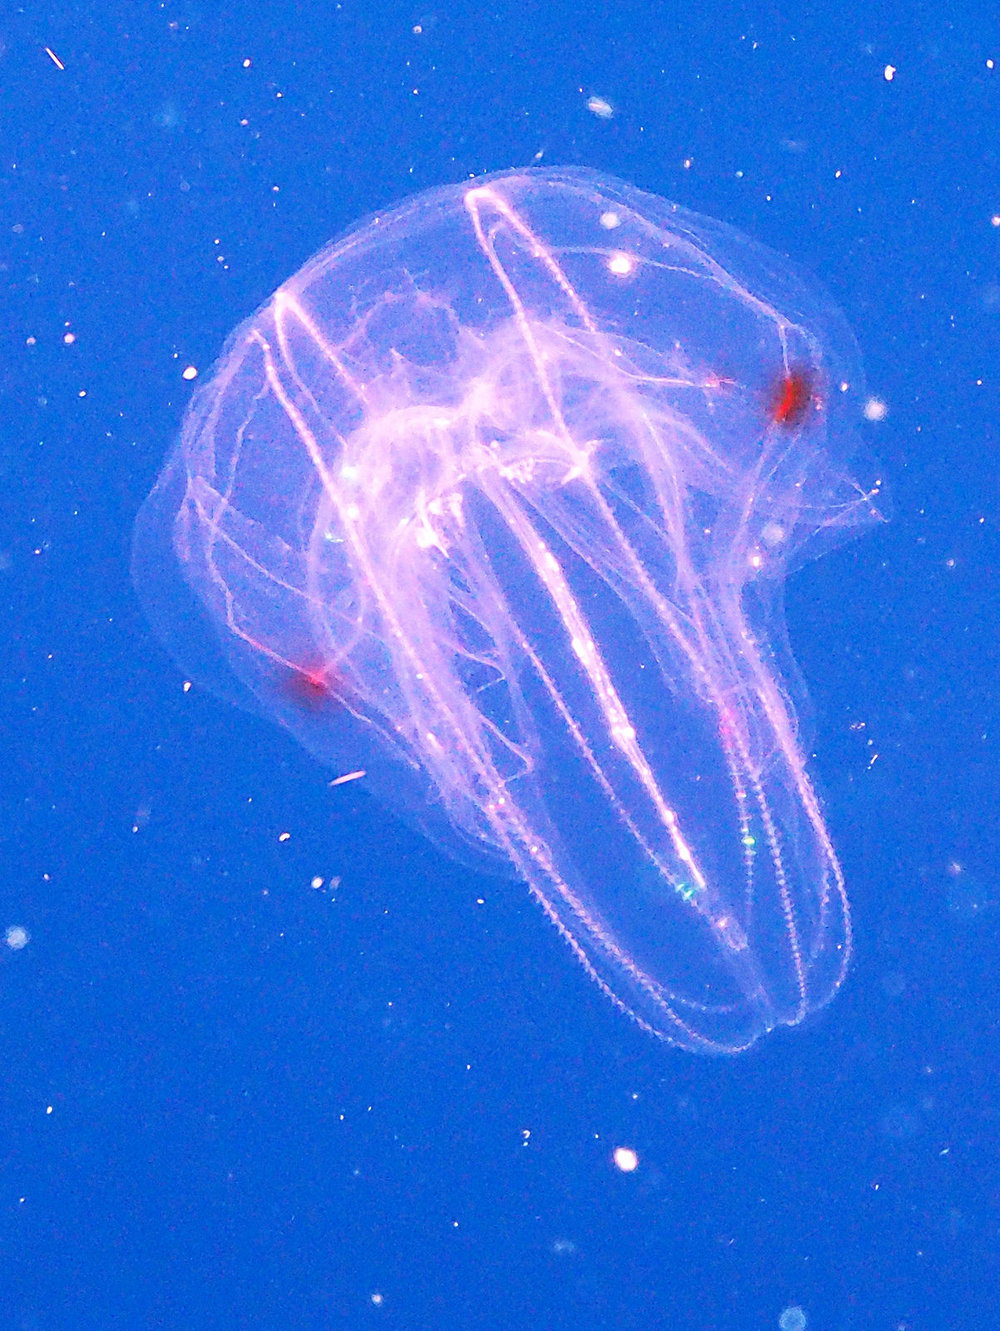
x,y
495,499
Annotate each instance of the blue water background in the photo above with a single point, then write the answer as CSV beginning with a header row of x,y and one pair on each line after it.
x,y
233,1099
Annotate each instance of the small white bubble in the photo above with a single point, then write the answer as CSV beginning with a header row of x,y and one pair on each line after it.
x,y
792,1319
773,534
625,1159
875,409
621,264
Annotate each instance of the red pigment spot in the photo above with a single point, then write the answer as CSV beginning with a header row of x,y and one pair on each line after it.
x,y
791,397
310,687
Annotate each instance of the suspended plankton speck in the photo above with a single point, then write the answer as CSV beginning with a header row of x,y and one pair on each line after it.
x,y
875,409
600,107
625,1159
